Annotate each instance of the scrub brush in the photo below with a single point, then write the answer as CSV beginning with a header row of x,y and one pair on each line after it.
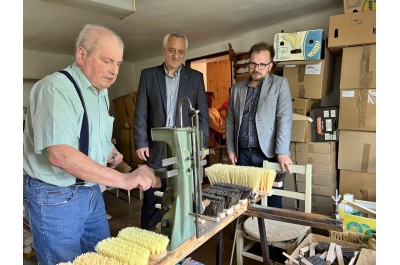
x,y
245,191
259,179
125,251
154,242
215,205
93,258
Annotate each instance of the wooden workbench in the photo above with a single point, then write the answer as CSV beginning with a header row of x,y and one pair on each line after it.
x,y
208,230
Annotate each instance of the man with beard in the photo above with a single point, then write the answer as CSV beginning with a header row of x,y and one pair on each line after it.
x,y
259,120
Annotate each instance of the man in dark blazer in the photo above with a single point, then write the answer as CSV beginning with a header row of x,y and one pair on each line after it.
x,y
259,120
157,105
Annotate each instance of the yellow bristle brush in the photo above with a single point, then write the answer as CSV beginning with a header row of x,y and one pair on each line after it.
x,y
154,242
259,179
128,252
93,258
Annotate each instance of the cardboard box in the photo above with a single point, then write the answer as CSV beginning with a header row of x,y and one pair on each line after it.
x,y
316,158
310,79
317,209
357,151
293,156
292,146
314,238
325,125
352,29
303,106
289,203
366,257
353,6
322,169
358,67
321,147
125,110
302,45
322,190
290,182
319,204
358,110
361,185
301,128
318,179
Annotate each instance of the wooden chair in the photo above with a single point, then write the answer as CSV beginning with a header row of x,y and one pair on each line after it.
x,y
279,234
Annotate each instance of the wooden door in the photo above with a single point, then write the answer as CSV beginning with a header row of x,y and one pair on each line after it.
x,y
219,79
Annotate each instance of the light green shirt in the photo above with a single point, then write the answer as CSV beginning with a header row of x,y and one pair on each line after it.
x,y
54,117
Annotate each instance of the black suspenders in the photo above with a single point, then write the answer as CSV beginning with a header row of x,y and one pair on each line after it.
x,y
84,137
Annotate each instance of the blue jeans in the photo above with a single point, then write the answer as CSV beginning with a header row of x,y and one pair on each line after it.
x,y
255,158
65,221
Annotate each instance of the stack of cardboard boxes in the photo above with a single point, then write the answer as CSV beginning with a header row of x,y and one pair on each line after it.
x,y
309,82
354,36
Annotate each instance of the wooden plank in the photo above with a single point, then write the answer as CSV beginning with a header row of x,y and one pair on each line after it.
x,y
190,245
295,217
371,213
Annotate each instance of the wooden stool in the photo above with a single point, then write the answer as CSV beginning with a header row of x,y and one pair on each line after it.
x,y
283,235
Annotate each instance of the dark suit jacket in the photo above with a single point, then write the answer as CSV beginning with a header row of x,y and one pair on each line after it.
x,y
151,107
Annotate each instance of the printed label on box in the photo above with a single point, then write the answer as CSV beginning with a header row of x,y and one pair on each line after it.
x,y
348,94
313,69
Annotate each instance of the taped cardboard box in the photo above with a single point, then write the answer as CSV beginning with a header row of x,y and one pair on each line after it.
x,y
301,45
351,29
301,128
322,169
358,110
361,185
353,6
319,179
320,147
310,79
322,190
316,158
357,151
319,204
358,67
303,106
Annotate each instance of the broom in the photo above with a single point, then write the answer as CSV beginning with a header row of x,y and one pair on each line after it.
x,y
259,179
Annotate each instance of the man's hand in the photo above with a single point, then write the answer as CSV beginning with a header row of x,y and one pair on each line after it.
x,y
114,158
285,162
143,178
232,158
143,153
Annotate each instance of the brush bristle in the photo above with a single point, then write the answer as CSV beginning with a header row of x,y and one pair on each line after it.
x,y
245,191
93,258
154,242
259,179
127,252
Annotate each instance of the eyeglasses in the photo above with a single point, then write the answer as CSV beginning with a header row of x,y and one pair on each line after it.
x,y
261,66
